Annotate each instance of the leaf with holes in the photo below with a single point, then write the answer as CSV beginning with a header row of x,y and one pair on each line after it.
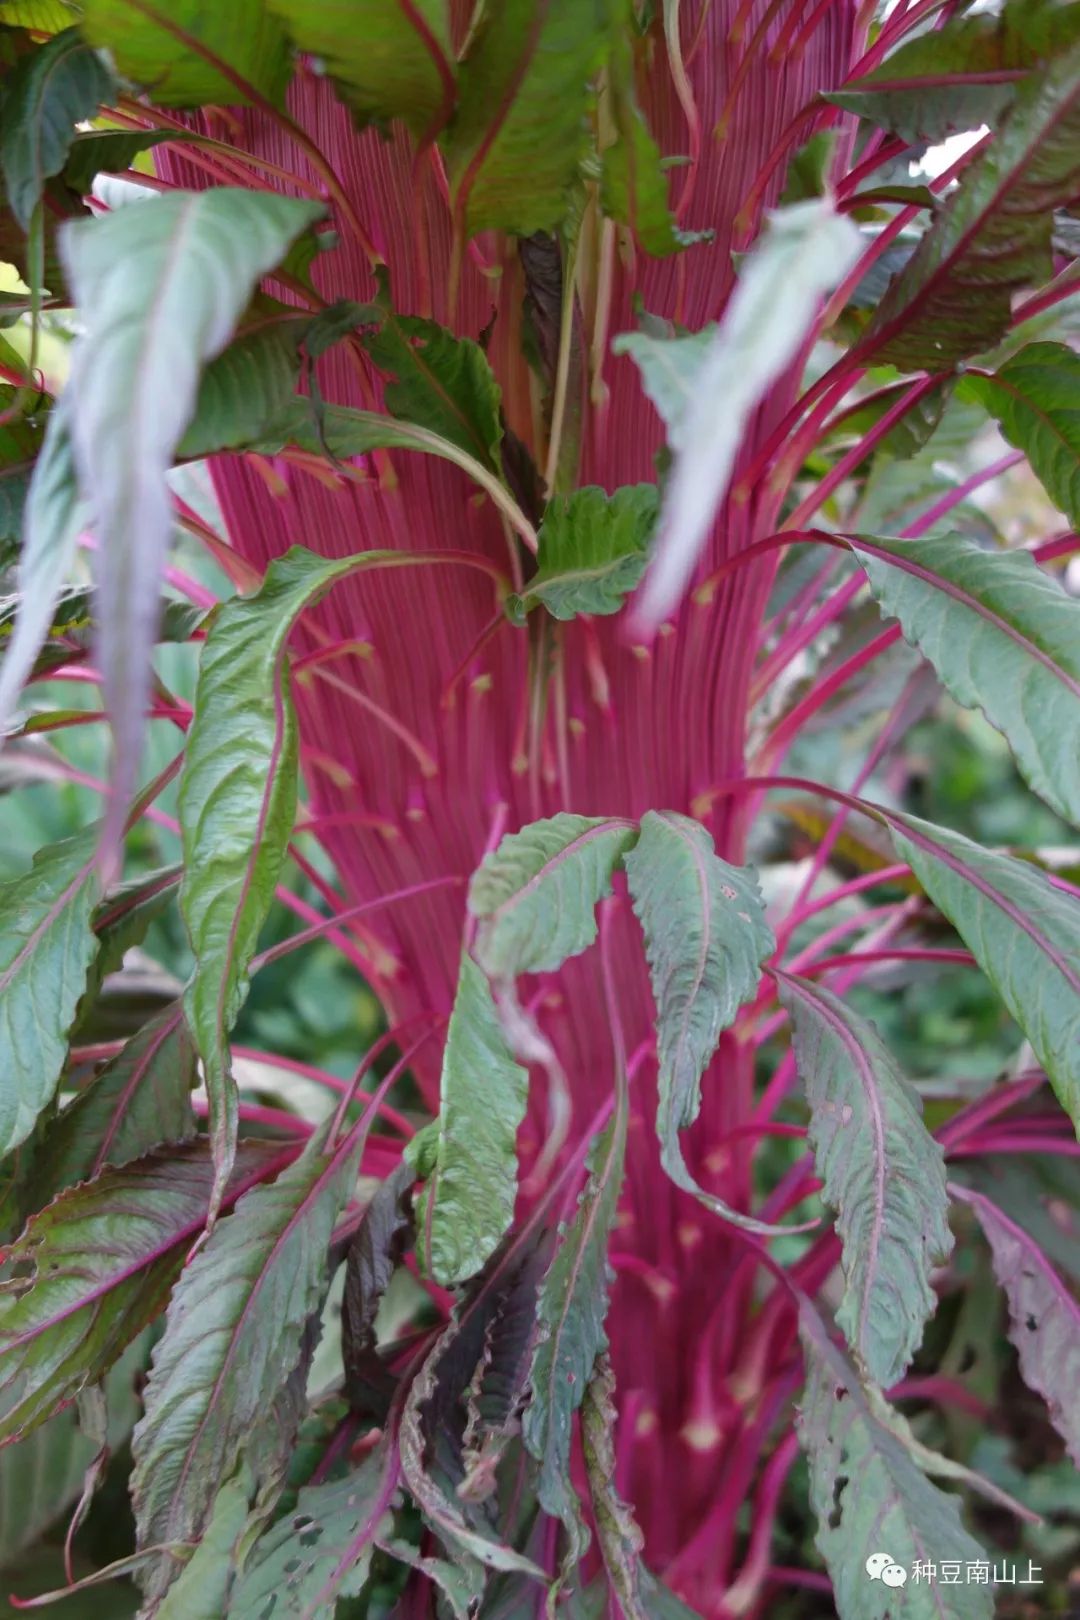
x,y
535,896
186,53
593,550
882,1172
1033,399
49,91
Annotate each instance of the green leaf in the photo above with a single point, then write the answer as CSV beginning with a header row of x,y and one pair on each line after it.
x,y
1033,399
1003,636
1023,932
806,250
170,50
882,1172
111,151
468,1202
571,1310
620,1538
517,142
222,1385
593,549
20,442
160,288
389,58
705,938
44,16
48,92
47,947
870,1497
244,391
322,1550
990,239
670,368
442,383
202,1585
1044,1317
536,894
93,1269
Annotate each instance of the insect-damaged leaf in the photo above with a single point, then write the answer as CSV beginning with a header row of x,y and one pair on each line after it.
x,y
1003,636
882,1172
592,552
536,894
468,1202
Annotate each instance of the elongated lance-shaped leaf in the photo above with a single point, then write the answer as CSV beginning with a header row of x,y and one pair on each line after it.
x,y
46,94
389,58
592,552
515,148
869,1497
440,382
202,1585
93,1269
322,1550
991,238
220,1385
882,1172
618,1533
52,520
1003,636
157,43
705,939
468,1202
47,947
1033,399
1023,932
807,249
536,894
1044,1317
160,288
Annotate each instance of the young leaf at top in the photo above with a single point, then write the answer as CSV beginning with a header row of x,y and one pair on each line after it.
x,y
990,239
468,1202
1044,1316
882,1172
46,949
93,1269
517,142
705,939
49,91
870,1497
160,288
222,1385
388,59
536,895
1033,399
168,47
806,251
1023,932
1003,636
593,549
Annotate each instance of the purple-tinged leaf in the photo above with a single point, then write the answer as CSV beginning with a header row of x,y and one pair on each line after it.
x,y
47,948
159,288
94,1268
882,1172
46,95
221,1386
1044,1316
374,1254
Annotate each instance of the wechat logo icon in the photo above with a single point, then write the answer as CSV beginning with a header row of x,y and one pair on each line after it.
x,y
880,1567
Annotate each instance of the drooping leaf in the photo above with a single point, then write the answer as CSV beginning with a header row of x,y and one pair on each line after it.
x,y
1023,932
157,46
1003,636
221,1384
468,1202
992,236
618,1533
202,1585
882,1172
111,151
571,1310
705,939
1044,1315
592,552
48,92
389,58
244,390
1032,397
441,382
807,249
536,894
870,1497
160,288
322,1550
93,1269
515,147
373,1257
46,950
